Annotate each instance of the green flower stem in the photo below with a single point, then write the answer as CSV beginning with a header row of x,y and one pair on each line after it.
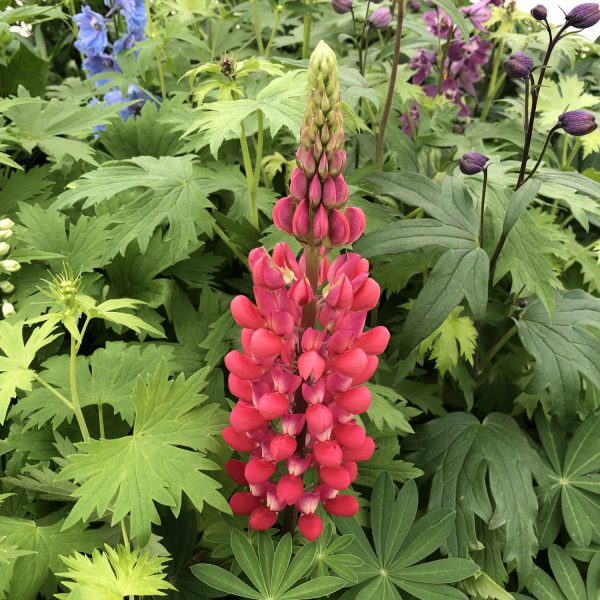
x,y
158,52
257,28
250,170
391,87
278,12
225,239
53,391
565,152
307,28
498,346
492,89
573,154
74,393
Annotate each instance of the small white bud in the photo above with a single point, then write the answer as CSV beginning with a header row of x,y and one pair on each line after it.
x,y
7,309
5,233
6,287
4,248
10,266
6,223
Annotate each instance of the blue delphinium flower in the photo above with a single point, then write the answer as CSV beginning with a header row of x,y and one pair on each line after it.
x,y
125,43
136,19
101,63
92,37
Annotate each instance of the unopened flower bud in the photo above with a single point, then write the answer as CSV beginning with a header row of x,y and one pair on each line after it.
x,y
584,15
7,309
4,248
539,12
341,6
6,223
10,266
6,287
5,233
577,122
380,18
518,65
472,163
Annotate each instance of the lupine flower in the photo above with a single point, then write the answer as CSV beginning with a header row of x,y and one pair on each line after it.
x,y
472,163
6,224
380,18
7,309
341,6
539,12
10,266
6,287
518,65
577,122
300,378
4,248
584,15
91,37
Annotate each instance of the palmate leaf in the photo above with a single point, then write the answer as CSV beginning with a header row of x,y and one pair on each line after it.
x,y
563,347
16,358
272,575
400,544
113,575
157,463
388,410
572,495
331,556
484,471
43,542
172,189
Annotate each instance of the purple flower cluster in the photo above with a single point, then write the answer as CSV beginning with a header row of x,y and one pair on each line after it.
x,y
461,59
101,57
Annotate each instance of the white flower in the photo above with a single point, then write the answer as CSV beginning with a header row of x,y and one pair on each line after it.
x,y
5,233
4,248
10,266
7,309
6,287
6,223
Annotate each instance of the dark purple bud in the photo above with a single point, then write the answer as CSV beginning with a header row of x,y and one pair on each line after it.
x,y
341,6
584,15
414,5
577,122
518,65
472,163
539,12
380,18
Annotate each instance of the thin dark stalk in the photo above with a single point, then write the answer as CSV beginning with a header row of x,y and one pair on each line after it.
x,y
539,161
391,87
528,82
482,211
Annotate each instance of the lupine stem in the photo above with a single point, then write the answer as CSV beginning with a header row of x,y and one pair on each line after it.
x,y
278,11
391,87
253,208
257,27
307,28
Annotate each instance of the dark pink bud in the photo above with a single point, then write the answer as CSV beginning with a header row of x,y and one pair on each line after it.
x,y
337,162
292,424
361,453
323,166
341,191
342,506
283,214
319,417
265,344
242,366
310,526
314,393
245,418
273,405
335,477
349,435
355,400
297,465
308,503
301,292
339,228
298,184
356,221
235,470
301,222
312,339
258,470
367,296
262,518
306,160
352,469
351,363
328,454
243,503
240,388
238,441
310,365
245,313
374,341
282,447
289,489
314,191
320,224
339,296
329,193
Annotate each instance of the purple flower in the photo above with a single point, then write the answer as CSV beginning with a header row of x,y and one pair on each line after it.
x,y
125,43
577,122
410,121
134,93
539,12
380,18
479,14
414,5
91,37
136,18
438,23
466,60
472,163
518,65
451,92
341,6
101,63
584,15
422,63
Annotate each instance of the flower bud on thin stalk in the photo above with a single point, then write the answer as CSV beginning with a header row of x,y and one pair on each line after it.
x,y
7,309
300,378
472,163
